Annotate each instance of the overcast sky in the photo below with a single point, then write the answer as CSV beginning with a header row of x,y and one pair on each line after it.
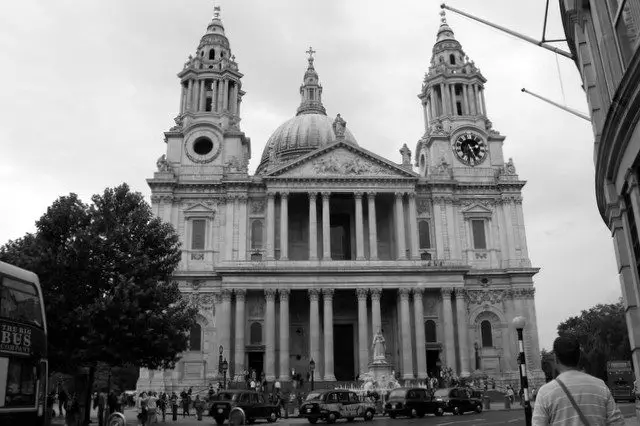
x,y
89,87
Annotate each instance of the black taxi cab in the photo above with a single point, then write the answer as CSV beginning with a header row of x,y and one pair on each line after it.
x,y
331,405
252,404
410,402
458,400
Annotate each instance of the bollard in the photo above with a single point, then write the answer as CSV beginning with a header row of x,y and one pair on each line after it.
x,y
507,402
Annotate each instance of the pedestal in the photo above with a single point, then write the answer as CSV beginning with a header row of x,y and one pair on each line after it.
x,y
381,372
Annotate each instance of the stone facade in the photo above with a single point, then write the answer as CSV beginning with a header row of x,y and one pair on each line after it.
x,y
328,242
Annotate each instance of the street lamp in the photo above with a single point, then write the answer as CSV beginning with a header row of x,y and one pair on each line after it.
x,y
519,324
220,350
225,367
476,347
312,368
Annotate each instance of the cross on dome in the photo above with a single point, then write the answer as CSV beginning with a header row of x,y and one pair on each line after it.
x,y
310,52
443,18
216,11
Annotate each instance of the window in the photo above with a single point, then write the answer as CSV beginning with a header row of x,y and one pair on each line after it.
x,y
256,234
198,227
212,54
625,25
430,335
19,382
195,338
255,333
487,336
479,238
452,58
19,301
424,236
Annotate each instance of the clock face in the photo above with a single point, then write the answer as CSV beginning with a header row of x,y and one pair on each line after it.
x,y
470,149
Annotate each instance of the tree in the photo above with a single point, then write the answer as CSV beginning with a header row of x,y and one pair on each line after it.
x,y
603,336
105,273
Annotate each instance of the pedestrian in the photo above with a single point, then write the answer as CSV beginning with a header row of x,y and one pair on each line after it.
x,y
174,406
112,402
574,397
521,397
152,408
198,404
62,401
185,404
72,411
510,394
102,406
162,405
142,409
120,402
284,403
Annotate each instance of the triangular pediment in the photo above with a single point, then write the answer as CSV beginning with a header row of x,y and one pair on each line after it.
x,y
199,210
476,208
341,160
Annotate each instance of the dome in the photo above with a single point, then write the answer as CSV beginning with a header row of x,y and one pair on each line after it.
x,y
298,136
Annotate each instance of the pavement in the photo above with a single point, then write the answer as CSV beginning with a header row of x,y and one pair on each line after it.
x,y
494,417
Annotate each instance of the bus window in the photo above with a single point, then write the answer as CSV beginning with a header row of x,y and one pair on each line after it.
x,y
19,383
19,301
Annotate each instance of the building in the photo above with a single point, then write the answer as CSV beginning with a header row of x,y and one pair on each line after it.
x,y
328,242
604,37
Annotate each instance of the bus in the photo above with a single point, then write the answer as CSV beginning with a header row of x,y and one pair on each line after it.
x,y
620,380
23,349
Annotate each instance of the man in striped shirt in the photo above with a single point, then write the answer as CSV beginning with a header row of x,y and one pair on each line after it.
x,y
591,395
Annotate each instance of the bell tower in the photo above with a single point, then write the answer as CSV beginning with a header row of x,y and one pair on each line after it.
x,y
458,135
206,141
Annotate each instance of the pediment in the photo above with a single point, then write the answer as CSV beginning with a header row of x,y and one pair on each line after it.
x,y
199,210
476,210
341,160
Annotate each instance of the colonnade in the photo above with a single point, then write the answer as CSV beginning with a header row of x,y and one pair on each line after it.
x,y
399,206
223,93
323,338
444,102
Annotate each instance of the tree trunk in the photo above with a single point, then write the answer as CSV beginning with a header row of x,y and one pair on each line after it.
x,y
87,398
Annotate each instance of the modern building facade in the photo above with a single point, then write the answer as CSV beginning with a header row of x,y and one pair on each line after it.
x,y
328,242
603,37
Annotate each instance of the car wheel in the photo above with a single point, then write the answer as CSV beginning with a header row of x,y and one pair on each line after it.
x,y
392,415
313,420
478,408
420,414
272,417
219,420
332,418
439,412
413,413
456,411
236,418
368,415
350,419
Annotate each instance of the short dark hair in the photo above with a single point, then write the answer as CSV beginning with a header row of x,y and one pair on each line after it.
x,y
567,351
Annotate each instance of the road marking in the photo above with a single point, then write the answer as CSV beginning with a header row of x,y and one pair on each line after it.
x,y
514,420
461,421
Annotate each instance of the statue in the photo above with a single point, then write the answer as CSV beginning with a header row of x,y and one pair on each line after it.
x,y
406,155
163,165
379,348
509,168
339,126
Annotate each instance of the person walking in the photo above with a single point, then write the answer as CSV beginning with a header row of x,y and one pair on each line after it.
x,y
162,405
198,404
574,398
102,405
185,404
142,408
62,401
152,408
72,411
174,406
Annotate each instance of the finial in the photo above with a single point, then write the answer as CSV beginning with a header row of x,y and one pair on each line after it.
x,y
310,52
444,17
216,12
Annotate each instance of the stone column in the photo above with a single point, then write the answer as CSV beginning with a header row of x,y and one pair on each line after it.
x,y
284,226
314,325
484,105
363,335
425,113
405,327
225,99
242,228
444,99
234,98
220,95
400,237
212,364
270,335
359,227
373,228
225,327
463,336
421,354
432,104
240,324
413,226
271,225
228,240
190,95
203,97
327,296
313,227
454,110
447,319
284,334
376,316
508,227
465,100
214,95
183,96
326,227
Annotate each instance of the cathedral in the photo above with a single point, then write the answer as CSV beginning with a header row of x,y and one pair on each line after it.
x,y
329,244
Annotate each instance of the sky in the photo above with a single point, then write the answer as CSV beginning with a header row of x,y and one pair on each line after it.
x,y
89,87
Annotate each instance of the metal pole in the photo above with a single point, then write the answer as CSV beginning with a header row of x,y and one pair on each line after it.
x,y
312,373
524,383
511,32
569,110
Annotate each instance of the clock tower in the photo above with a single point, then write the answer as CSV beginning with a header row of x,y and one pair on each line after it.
x,y
458,135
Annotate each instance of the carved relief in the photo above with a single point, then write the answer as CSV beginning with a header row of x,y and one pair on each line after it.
x,y
197,256
423,206
362,293
333,165
480,297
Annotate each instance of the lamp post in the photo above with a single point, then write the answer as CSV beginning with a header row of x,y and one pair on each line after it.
x,y
519,323
476,347
312,368
225,367
220,350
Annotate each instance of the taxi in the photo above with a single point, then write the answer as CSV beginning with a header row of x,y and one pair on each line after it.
x,y
332,405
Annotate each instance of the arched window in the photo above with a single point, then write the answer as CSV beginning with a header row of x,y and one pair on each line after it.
x,y
195,338
487,336
452,59
255,333
212,54
423,232
256,234
430,331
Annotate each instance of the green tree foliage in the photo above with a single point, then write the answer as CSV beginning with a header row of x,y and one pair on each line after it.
x,y
603,335
104,270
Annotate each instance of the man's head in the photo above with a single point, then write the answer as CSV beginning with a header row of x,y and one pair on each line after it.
x,y
567,351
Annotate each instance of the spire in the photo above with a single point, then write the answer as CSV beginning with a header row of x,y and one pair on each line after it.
x,y
215,26
311,90
444,32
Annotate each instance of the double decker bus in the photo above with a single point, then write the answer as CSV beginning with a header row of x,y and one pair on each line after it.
x,y
23,349
620,380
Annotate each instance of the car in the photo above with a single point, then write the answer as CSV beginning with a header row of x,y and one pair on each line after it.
x,y
251,403
331,405
458,400
410,402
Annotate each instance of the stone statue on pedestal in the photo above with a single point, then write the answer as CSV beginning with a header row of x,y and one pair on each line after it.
x,y
379,348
